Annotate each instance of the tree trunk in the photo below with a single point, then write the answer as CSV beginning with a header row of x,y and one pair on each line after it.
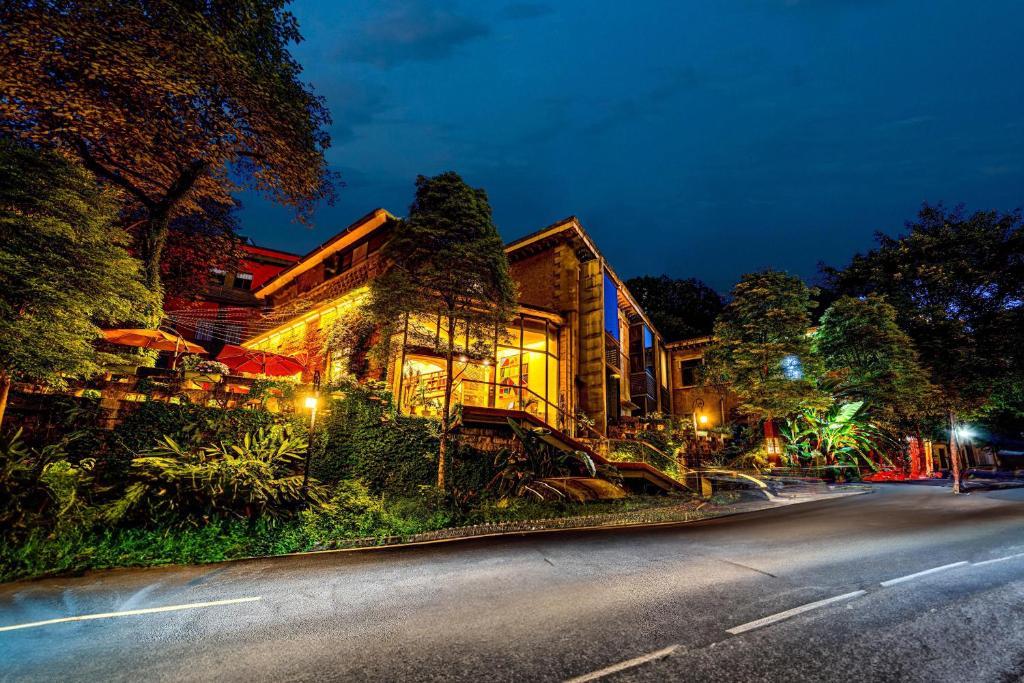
x,y
446,420
151,241
954,452
5,389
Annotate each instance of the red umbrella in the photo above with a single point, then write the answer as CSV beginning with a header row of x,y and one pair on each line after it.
x,y
240,359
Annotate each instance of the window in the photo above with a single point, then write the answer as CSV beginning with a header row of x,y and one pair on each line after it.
x,y
217,277
243,281
690,370
611,307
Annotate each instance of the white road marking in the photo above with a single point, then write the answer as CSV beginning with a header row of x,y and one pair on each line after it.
x,y
622,666
933,570
998,559
773,618
127,613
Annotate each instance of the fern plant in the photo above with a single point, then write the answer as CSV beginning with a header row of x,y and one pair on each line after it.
x,y
259,476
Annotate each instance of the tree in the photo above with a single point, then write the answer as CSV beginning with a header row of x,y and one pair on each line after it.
x,y
64,266
762,349
197,243
680,309
175,102
957,284
859,340
447,264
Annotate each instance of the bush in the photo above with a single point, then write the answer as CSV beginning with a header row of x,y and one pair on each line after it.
x,y
364,439
187,424
258,477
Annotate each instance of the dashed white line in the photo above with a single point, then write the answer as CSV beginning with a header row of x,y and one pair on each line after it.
x,y
933,570
997,559
622,666
780,616
127,613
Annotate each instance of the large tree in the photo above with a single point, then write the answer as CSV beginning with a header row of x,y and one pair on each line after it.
x,y
762,350
177,103
447,264
956,281
860,341
64,266
680,309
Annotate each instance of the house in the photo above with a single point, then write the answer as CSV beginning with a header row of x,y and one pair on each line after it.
x,y
225,309
579,345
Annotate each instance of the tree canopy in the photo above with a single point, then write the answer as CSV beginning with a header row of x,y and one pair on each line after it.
x,y
956,282
860,342
447,268
64,267
176,102
680,309
762,349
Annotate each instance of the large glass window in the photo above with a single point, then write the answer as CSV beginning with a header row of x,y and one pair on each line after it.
x,y
611,307
521,375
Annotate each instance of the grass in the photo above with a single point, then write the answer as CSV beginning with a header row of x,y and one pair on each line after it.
x,y
359,516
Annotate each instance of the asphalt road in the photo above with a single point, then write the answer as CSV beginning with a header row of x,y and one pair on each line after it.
x,y
569,604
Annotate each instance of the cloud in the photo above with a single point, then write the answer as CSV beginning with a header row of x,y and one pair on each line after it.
x,y
526,10
353,103
412,31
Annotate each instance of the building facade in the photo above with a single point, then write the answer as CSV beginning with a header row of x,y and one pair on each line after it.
x,y
579,355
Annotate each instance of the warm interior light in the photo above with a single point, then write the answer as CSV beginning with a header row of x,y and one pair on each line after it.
x,y
703,419
311,402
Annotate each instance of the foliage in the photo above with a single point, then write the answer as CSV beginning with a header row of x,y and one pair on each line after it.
x,y
447,263
39,487
64,268
366,439
260,476
177,104
957,284
680,309
187,424
761,349
841,435
211,367
198,242
349,341
521,469
860,340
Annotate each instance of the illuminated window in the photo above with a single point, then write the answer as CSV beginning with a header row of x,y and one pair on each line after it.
x,y
243,281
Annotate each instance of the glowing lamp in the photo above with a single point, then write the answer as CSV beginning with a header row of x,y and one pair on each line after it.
x,y
311,402
703,419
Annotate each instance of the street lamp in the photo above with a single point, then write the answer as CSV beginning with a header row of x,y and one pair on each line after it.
x,y
703,419
311,402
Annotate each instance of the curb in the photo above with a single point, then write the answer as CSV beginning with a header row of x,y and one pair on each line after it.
x,y
529,532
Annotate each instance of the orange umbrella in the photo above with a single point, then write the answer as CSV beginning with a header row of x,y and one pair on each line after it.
x,y
157,340
241,359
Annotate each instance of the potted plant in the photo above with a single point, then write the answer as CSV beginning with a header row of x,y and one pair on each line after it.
x,y
204,370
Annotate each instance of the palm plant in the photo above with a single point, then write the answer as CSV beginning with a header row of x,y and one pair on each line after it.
x,y
844,434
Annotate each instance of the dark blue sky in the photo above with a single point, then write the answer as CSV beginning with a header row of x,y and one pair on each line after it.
x,y
699,138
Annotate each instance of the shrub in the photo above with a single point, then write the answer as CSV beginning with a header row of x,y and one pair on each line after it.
x,y
187,424
175,484
364,439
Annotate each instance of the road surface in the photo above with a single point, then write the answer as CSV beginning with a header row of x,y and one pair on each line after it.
x,y
904,583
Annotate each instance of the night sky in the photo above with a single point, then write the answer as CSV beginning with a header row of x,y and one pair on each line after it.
x,y
695,138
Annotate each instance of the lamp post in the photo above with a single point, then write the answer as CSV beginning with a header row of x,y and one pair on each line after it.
x,y
311,402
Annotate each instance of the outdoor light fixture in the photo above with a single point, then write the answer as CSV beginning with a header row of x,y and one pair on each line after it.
x,y
311,402
703,419
964,432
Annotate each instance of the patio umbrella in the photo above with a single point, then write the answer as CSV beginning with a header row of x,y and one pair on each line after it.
x,y
152,339
240,359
